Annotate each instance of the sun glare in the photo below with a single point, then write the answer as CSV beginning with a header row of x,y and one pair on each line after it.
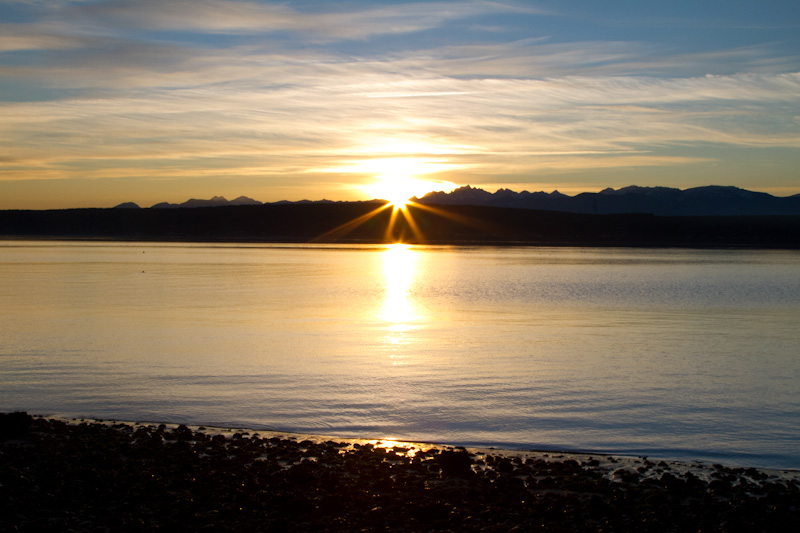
x,y
397,181
398,190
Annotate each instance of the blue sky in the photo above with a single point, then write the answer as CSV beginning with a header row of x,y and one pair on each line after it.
x,y
120,100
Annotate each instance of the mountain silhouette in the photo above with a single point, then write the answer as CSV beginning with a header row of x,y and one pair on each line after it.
x,y
710,200
216,201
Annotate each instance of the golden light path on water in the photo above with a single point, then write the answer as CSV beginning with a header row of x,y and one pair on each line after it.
x,y
399,311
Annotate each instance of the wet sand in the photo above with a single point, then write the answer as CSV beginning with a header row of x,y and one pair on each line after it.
x,y
58,475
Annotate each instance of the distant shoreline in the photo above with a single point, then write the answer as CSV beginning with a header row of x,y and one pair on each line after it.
x,y
463,244
366,223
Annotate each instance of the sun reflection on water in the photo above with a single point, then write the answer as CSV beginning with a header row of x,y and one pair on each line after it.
x,y
398,307
401,448
398,270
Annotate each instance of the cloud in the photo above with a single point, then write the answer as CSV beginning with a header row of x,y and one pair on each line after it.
x,y
511,125
236,16
538,58
17,37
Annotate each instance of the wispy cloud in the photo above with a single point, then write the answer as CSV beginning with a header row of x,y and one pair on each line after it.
x,y
324,117
238,16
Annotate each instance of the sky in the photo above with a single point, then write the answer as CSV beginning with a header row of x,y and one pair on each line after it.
x,y
111,101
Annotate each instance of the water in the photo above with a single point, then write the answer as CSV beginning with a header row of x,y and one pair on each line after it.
x,y
668,353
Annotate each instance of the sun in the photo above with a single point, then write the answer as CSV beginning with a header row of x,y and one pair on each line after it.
x,y
397,179
398,190
397,182
398,193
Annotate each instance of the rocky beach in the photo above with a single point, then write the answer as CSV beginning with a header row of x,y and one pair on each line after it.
x,y
88,475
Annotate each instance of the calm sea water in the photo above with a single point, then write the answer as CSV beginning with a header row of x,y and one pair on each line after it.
x,y
666,353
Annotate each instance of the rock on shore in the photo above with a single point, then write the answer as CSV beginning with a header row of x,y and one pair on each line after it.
x,y
95,476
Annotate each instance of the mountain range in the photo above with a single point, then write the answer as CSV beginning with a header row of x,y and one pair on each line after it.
x,y
216,201
662,201
711,200
213,202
